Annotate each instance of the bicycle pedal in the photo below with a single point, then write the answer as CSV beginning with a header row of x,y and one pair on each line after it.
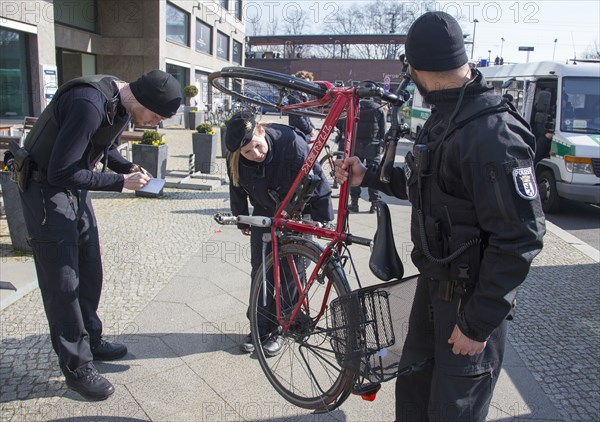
x,y
367,392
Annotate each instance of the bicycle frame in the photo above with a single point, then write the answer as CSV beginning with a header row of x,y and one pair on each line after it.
x,y
344,99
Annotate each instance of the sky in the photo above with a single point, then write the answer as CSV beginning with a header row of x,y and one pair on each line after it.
x,y
575,25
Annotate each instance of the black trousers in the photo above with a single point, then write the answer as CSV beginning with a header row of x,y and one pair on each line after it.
x,y
267,318
64,238
446,387
356,190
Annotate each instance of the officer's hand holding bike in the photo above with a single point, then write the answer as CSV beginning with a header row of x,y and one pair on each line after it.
x,y
353,164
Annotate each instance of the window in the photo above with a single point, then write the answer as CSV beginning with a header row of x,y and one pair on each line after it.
x,y
179,73
204,37
14,87
178,25
82,14
222,46
224,4
580,105
237,9
202,79
237,52
73,64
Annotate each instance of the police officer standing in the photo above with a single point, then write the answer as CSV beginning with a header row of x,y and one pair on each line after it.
x,y
76,131
302,123
370,133
262,166
476,225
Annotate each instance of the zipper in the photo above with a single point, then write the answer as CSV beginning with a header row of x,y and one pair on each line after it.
x,y
498,195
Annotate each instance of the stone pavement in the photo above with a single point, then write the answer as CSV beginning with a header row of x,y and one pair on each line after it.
x,y
176,290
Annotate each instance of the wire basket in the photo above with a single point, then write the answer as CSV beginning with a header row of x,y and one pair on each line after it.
x,y
364,336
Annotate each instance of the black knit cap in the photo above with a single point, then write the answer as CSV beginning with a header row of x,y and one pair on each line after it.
x,y
240,130
158,91
435,43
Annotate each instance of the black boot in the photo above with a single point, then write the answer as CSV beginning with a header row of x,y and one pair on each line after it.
x,y
90,384
353,207
103,350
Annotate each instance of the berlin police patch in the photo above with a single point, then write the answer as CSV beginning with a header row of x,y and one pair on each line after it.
x,y
525,183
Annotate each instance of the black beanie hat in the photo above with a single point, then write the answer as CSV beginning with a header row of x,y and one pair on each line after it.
x,y
240,130
435,43
158,91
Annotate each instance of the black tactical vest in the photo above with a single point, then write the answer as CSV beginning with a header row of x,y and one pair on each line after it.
x,y
40,140
448,241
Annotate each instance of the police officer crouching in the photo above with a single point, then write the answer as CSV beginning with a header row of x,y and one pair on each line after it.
x,y
262,165
76,131
476,225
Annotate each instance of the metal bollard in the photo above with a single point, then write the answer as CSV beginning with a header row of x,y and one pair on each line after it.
x,y
191,164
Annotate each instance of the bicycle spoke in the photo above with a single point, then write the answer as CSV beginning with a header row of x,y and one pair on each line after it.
x,y
306,372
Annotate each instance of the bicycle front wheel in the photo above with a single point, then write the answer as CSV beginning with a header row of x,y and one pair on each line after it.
x,y
328,166
271,90
305,372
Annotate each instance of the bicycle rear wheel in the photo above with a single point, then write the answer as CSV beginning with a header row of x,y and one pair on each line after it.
x,y
271,90
306,372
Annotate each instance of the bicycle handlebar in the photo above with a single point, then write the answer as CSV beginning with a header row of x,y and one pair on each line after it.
x,y
378,92
257,221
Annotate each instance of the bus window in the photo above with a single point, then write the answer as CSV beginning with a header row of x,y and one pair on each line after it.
x,y
580,100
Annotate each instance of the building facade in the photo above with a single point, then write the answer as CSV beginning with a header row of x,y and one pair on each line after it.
x,y
45,43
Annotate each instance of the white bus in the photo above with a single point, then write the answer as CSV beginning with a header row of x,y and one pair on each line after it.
x,y
563,99
420,112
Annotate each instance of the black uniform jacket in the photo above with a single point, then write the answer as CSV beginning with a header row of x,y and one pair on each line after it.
x,y
370,130
485,163
302,123
275,175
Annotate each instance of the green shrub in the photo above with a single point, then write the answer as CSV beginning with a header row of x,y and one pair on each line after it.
x,y
152,137
205,128
190,91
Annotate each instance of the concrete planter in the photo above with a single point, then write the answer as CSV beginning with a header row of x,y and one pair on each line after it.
x,y
153,159
14,213
205,151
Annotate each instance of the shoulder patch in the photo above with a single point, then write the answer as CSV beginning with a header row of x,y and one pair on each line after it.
x,y
525,184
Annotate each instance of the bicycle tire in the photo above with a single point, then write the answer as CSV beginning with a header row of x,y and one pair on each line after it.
x,y
328,169
270,90
316,380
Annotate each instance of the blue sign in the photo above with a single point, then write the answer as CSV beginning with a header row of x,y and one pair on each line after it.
x,y
525,48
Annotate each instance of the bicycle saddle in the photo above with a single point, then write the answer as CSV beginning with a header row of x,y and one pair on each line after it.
x,y
385,262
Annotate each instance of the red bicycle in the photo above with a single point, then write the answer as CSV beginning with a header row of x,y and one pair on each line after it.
x,y
336,341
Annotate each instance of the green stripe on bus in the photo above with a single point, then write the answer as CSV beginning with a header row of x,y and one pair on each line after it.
x,y
595,138
562,150
421,114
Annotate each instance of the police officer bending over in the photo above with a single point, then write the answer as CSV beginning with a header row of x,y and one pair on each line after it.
x,y
476,225
262,167
77,130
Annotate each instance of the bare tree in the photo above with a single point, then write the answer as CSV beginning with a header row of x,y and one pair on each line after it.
x,y
593,51
376,17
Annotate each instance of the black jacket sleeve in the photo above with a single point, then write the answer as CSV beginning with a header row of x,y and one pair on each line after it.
x,y
238,199
396,187
80,114
302,123
496,172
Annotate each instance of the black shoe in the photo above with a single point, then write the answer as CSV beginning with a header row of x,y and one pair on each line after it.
x,y
247,345
373,209
273,345
103,350
91,385
353,207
